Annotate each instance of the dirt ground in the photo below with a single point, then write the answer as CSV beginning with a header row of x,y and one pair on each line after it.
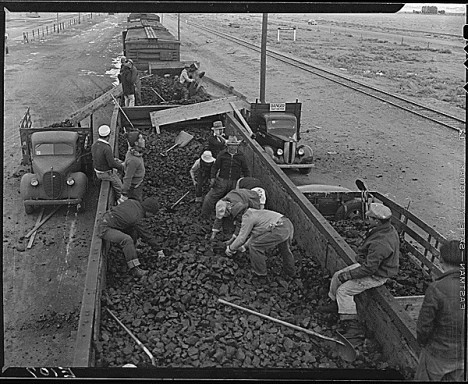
x,y
411,160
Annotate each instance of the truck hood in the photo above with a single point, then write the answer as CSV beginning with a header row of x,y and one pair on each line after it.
x,y
43,164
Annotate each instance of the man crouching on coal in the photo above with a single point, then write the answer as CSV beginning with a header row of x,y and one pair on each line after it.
x,y
266,229
377,260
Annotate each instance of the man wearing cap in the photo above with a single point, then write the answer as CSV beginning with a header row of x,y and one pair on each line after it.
x,y
136,81
228,167
104,161
132,187
217,141
128,84
223,208
262,230
185,80
123,224
255,185
377,260
200,173
441,325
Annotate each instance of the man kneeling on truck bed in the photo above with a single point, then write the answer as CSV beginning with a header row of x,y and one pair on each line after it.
x,y
123,224
377,260
266,229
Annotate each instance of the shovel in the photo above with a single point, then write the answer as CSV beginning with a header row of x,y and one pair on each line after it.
x,y
344,348
171,208
182,139
121,110
140,344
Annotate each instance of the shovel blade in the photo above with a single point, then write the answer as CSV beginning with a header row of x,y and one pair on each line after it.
x,y
346,349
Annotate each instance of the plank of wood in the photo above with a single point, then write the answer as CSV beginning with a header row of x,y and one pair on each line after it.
x,y
37,226
191,111
96,104
241,118
33,236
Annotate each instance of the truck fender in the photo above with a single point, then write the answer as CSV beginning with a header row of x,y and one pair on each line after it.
x,y
26,189
270,151
308,151
78,189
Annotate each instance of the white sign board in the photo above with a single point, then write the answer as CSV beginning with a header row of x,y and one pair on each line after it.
x,y
277,107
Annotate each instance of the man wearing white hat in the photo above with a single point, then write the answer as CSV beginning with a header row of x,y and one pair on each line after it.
x,y
228,167
200,173
377,259
104,161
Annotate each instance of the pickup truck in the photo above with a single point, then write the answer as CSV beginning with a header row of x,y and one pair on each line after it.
x,y
59,158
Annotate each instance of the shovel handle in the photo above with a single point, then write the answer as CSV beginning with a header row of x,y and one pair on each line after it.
x,y
178,201
282,322
140,344
167,150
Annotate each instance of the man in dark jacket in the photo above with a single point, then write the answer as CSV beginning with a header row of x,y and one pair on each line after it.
x,y
217,141
377,259
123,224
128,85
441,325
104,161
228,167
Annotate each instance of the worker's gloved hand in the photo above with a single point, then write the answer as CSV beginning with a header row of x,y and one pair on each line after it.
x,y
343,277
230,241
229,252
122,199
242,248
212,181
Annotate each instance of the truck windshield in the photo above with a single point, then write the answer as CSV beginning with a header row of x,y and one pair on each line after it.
x,y
53,149
283,127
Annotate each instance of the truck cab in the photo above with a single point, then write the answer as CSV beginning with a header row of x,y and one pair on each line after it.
x,y
276,127
58,159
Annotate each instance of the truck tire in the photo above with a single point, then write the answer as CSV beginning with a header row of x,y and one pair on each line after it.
x,y
29,209
352,209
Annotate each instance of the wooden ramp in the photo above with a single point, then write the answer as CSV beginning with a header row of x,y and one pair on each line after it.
x,y
96,104
195,111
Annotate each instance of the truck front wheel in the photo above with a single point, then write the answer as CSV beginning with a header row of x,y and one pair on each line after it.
x,y
29,209
305,171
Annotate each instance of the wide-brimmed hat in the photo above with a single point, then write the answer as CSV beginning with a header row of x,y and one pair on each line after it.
x,y
194,66
217,125
232,140
207,157
221,206
104,130
379,211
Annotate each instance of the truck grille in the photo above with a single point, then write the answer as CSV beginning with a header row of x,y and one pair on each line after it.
x,y
53,184
289,152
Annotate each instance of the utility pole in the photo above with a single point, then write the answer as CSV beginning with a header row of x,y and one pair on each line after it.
x,y
58,28
263,58
178,26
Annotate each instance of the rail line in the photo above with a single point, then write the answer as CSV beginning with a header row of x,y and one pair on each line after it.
x,y
434,115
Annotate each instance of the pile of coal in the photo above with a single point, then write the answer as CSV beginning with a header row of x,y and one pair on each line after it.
x,y
174,310
157,90
65,123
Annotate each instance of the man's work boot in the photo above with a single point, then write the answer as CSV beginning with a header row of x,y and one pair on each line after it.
x,y
329,308
138,272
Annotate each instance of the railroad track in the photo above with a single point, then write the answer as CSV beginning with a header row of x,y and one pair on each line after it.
x,y
434,115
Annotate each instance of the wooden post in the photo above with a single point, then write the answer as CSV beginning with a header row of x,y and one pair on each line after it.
x,y
263,58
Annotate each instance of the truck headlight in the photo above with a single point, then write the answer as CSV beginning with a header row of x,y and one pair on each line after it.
x,y
70,181
34,182
279,152
300,151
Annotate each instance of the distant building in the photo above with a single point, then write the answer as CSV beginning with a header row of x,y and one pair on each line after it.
x,y
432,10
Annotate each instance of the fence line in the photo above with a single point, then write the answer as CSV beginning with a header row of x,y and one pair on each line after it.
x,y
57,27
